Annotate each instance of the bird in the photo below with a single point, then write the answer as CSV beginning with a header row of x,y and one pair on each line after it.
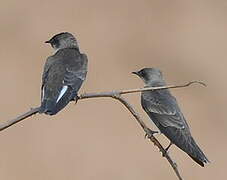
x,y
162,108
63,75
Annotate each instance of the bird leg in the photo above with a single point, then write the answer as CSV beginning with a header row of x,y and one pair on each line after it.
x,y
149,133
75,99
166,149
168,146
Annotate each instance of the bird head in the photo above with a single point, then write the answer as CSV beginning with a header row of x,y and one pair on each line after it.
x,y
150,75
63,40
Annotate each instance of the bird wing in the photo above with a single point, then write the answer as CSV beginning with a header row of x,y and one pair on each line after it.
x,y
74,77
164,106
45,74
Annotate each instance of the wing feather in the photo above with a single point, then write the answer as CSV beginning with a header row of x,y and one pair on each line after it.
x,y
164,106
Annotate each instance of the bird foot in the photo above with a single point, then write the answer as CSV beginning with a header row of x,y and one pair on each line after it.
x,y
166,149
149,133
75,99
165,153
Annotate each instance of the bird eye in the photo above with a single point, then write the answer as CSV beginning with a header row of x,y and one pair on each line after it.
x,y
142,73
55,43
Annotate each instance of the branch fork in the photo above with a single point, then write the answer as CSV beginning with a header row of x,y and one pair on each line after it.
x,y
118,96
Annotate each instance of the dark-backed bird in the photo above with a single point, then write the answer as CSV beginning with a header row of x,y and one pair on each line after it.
x,y
163,110
64,72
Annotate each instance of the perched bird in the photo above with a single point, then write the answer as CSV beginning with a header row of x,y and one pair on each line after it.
x,y
164,111
64,72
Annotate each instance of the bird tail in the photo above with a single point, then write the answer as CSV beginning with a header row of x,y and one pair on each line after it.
x,y
50,107
196,153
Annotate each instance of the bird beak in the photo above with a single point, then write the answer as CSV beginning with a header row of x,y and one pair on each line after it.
x,y
47,41
136,73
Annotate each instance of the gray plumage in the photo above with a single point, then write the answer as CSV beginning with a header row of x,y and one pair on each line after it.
x,y
64,72
164,111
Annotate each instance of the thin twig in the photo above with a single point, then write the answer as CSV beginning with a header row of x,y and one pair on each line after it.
x,y
128,91
163,87
19,118
115,95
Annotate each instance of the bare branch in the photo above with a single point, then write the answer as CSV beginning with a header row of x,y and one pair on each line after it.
x,y
128,91
18,119
148,132
163,87
150,135
116,95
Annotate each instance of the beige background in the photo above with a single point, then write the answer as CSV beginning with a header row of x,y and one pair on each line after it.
x,y
98,138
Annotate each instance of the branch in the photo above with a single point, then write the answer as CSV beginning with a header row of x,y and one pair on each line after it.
x,y
128,91
115,95
162,87
149,133
19,118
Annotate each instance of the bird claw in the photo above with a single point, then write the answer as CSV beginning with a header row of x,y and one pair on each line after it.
x,y
76,99
149,133
166,150
165,153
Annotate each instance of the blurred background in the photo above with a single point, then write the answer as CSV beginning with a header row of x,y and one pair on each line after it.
x,y
98,138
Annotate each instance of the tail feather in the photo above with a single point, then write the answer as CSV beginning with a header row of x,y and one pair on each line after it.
x,y
51,107
201,163
184,140
197,154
